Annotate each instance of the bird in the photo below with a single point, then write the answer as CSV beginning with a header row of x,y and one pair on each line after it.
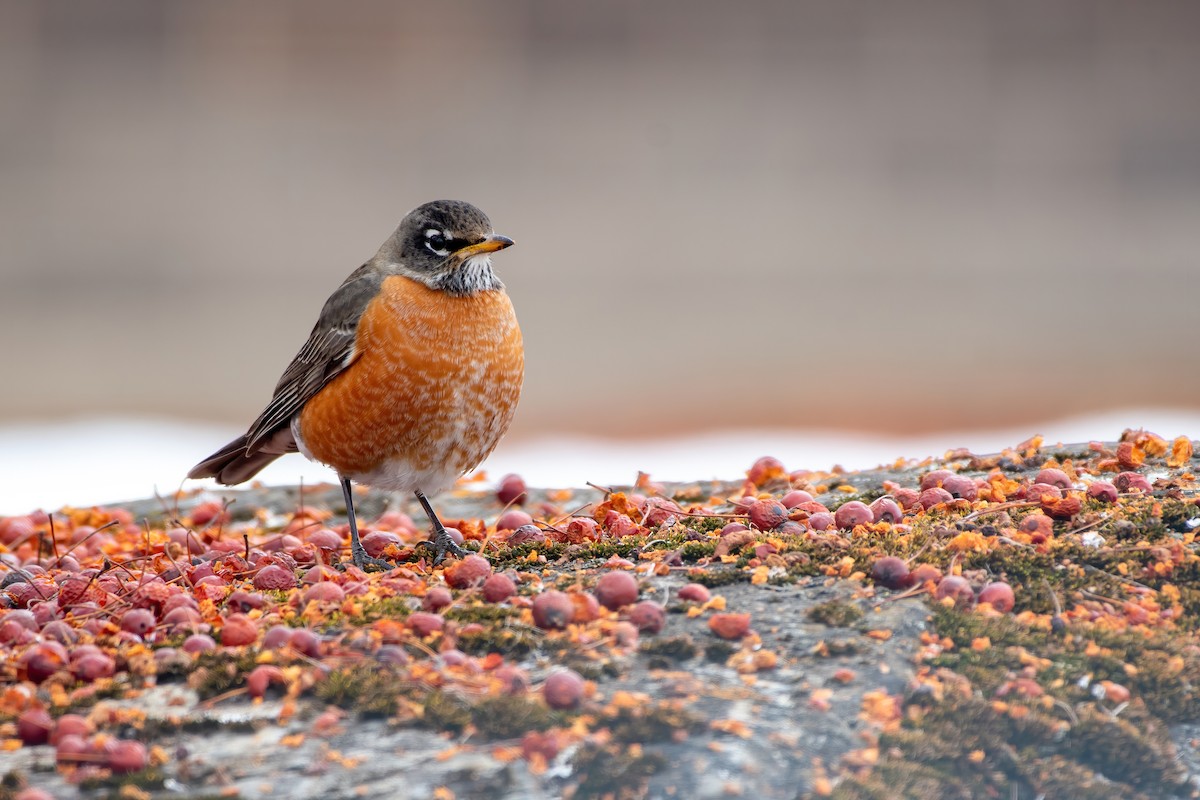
x,y
410,377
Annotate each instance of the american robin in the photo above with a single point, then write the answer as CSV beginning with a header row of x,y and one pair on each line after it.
x,y
410,376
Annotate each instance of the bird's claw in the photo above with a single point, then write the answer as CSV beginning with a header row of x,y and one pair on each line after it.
x,y
441,543
367,563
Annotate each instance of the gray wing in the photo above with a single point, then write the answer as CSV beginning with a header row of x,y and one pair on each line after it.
x,y
328,351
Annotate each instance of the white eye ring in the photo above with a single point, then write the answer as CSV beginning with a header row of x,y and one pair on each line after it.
x,y
435,240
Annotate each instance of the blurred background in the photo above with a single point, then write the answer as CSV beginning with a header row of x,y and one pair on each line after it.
x,y
869,219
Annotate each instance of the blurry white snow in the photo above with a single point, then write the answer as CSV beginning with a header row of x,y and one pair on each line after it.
x,y
109,460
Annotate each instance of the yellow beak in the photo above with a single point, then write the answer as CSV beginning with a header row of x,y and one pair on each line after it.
x,y
491,244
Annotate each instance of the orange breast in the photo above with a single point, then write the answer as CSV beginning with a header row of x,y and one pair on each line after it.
x,y
435,384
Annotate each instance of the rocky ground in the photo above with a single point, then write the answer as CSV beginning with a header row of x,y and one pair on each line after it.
x,y
1016,625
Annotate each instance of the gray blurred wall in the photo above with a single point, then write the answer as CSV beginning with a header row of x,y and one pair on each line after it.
x,y
880,215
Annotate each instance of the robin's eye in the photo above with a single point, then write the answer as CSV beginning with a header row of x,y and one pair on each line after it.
x,y
435,240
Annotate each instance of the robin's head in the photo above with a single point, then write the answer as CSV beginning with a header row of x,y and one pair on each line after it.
x,y
447,245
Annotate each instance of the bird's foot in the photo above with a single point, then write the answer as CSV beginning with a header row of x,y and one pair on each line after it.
x,y
443,544
360,559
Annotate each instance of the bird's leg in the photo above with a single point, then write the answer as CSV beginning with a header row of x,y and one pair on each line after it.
x,y
441,542
358,553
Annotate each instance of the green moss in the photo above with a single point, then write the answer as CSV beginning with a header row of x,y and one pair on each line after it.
x,y
656,722
613,772
964,747
371,689
384,608
510,642
720,577
219,671
694,551
903,780
668,649
719,651
485,613
1072,737
1130,749
867,496
517,556
835,613
446,711
1177,514
148,779
511,716
706,524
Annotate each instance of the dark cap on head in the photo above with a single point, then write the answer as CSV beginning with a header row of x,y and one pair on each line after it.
x,y
445,244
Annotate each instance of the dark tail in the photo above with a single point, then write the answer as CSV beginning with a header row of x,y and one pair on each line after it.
x,y
233,463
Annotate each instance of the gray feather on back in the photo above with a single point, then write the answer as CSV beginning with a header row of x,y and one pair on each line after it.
x,y
328,351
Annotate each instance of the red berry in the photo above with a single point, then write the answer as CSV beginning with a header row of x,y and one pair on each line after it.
x,y
733,527
885,509
851,514
1038,492
907,498
795,497
324,592
470,571
563,690
891,572
694,593
1103,491
934,496
181,618
619,525
198,643
277,636
957,589
138,620
498,588
238,630
935,479
34,726
766,515
526,534
72,748
437,598
582,529
657,511
552,610
325,539
923,573
511,679
261,677
961,486
392,654
729,626
306,642
512,519
616,589
71,725
999,595
1053,477
649,617
42,660
127,756
511,490
273,576
423,623
93,667
821,521
765,469
376,542
1132,482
